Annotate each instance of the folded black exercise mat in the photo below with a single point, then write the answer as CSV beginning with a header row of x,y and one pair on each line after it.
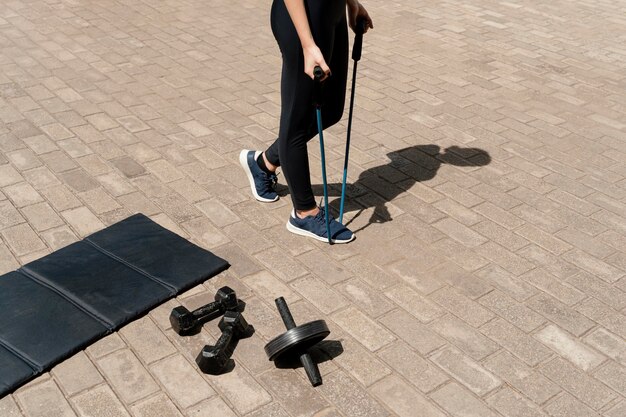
x,y
59,304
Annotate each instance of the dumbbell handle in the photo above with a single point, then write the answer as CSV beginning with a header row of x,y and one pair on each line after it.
x,y
224,345
311,368
213,308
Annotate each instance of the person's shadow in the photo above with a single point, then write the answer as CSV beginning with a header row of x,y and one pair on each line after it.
x,y
407,166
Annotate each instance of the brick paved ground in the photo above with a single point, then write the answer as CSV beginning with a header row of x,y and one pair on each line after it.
x,y
489,171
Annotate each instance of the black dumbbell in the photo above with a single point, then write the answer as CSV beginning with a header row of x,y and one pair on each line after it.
x,y
184,322
213,359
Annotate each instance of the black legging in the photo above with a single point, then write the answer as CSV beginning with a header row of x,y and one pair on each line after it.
x,y
298,123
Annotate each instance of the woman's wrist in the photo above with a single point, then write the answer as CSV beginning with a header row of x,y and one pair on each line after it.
x,y
353,4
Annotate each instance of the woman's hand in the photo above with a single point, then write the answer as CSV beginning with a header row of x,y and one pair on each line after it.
x,y
312,58
356,11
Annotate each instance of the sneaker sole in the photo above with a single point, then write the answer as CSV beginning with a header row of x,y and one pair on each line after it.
x,y
243,160
306,233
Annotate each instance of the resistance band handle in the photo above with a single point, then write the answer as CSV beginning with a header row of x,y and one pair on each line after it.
x,y
318,73
285,314
358,39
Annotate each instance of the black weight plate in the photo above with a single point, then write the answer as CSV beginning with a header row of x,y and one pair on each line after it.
x,y
300,338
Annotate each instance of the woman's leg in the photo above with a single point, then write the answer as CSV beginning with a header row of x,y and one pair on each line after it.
x,y
298,122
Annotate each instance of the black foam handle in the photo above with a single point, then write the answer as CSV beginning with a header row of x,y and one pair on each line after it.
x,y
318,73
358,39
285,314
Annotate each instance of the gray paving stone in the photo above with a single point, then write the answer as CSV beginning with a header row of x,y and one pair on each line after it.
x,y
570,348
44,399
464,337
587,389
349,398
459,402
411,301
181,380
560,314
146,340
464,308
510,403
567,405
244,392
366,331
22,239
99,401
9,408
76,374
402,399
215,407
607,343
130,380
158,405
295,394
465,370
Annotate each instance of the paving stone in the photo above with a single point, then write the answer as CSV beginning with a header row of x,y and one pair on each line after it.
x,y
158,405
146,340
244,393
560,314
362,328
22,240
460,233
215,407
217,212
568,347
79,180
76,374
268,287
402,399
421,373
60,197
587,389
466,371
106,345
506,282
127,376
370,301
324,267
22,194
510,403
464,308
42,217
181,380
128,167
9,408
458,402
593,265
375,276
44,399
83,221
100,401
512,311
590,284
613,375
516,341
295,394
326,299
551,285
59,237
349,398
618,410
9,216
24,159
604,315
568,406
607,343
414,303
464,337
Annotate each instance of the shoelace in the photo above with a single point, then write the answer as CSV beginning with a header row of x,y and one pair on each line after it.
x,y
270,181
